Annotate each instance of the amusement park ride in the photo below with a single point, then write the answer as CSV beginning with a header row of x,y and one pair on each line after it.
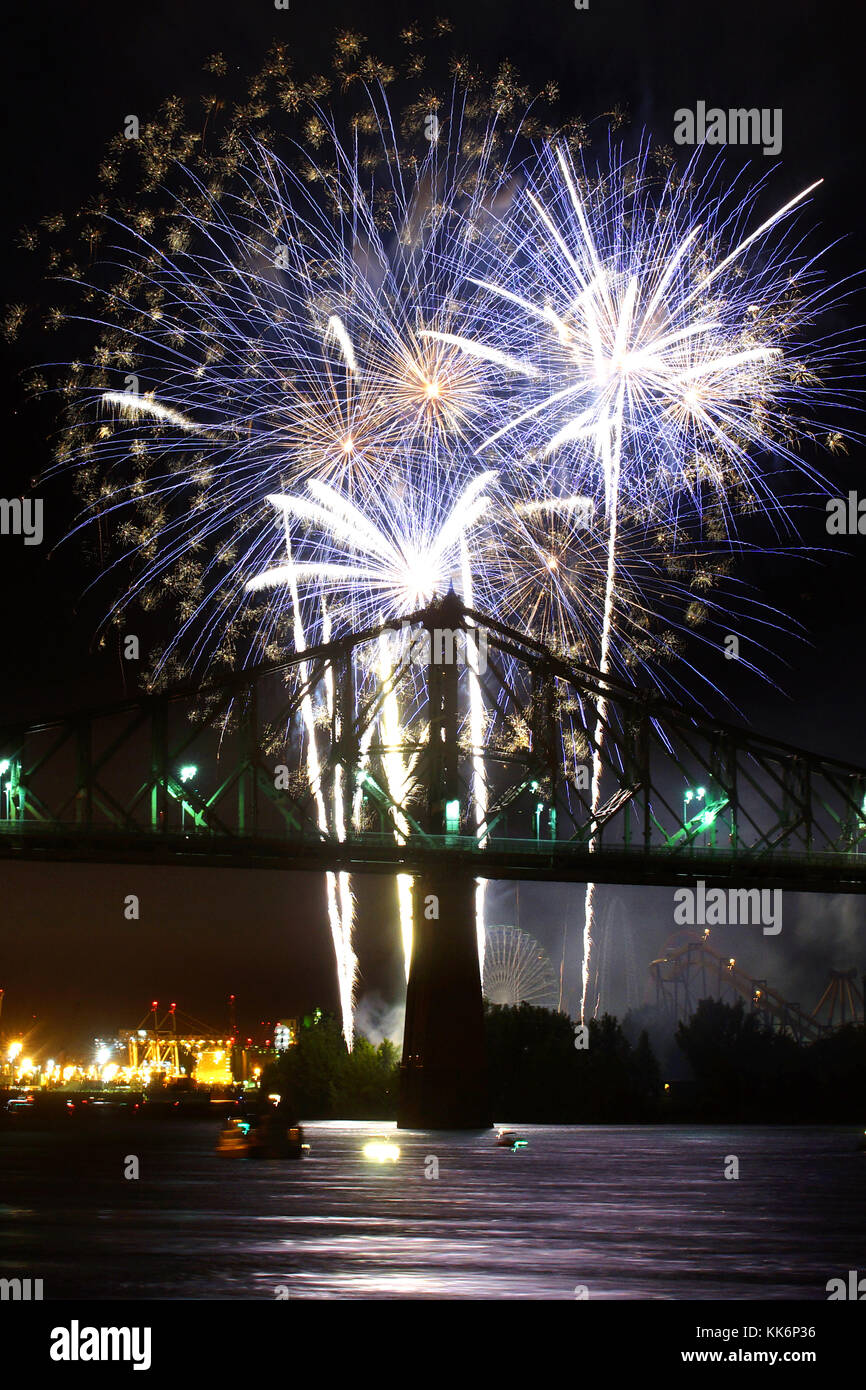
x,y
691,970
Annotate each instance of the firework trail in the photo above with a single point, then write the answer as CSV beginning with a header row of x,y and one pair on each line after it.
x,y
338,890
383,571
417,404
287,348
315,333
652,348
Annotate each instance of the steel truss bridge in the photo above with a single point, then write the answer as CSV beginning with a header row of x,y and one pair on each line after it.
x,y
221,775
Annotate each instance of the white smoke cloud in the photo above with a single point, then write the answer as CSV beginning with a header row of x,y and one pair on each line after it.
x,y
378,1020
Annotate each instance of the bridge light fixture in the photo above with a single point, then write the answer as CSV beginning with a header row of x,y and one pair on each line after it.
x,y
7,788
698,817
188,772
452,817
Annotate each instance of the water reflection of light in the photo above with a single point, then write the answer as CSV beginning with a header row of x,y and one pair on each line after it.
x,y
381,1151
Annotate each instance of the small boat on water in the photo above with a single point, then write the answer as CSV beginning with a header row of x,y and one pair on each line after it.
x,y
265,1137
507,1139
233,1139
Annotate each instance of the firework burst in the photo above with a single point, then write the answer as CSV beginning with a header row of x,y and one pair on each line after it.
x,y
330,333
652,326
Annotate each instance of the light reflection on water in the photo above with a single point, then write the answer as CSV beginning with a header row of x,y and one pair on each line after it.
x,y
627,1212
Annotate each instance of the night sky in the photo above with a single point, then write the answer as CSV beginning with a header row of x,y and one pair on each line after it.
x,y
71,73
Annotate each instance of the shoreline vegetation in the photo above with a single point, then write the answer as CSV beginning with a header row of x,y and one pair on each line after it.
x,y
722,1066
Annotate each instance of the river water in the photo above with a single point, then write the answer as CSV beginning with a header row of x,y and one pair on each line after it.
x,y
620,1213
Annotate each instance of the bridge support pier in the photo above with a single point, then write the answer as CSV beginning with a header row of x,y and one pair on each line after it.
x,y
443,1074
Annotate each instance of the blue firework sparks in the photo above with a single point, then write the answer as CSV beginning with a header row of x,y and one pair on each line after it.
x,y
333,391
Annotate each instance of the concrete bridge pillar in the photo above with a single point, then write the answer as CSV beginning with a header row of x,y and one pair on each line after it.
x,y
443,1075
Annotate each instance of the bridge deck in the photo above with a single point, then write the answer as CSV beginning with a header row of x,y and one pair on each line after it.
x,y
373,852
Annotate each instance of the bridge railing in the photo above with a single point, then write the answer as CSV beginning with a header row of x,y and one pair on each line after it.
x,y
499,857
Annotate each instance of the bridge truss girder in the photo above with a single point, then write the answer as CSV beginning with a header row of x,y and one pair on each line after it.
x,y
105,785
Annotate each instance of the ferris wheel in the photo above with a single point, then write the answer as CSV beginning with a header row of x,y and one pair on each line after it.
x,y
517,969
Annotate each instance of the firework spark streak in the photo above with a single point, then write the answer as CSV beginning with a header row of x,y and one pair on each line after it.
x,y
322,321
665,356
338,888
333,344
387,567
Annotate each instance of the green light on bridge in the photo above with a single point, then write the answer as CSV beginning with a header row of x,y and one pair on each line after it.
x,y
452,817
10,768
